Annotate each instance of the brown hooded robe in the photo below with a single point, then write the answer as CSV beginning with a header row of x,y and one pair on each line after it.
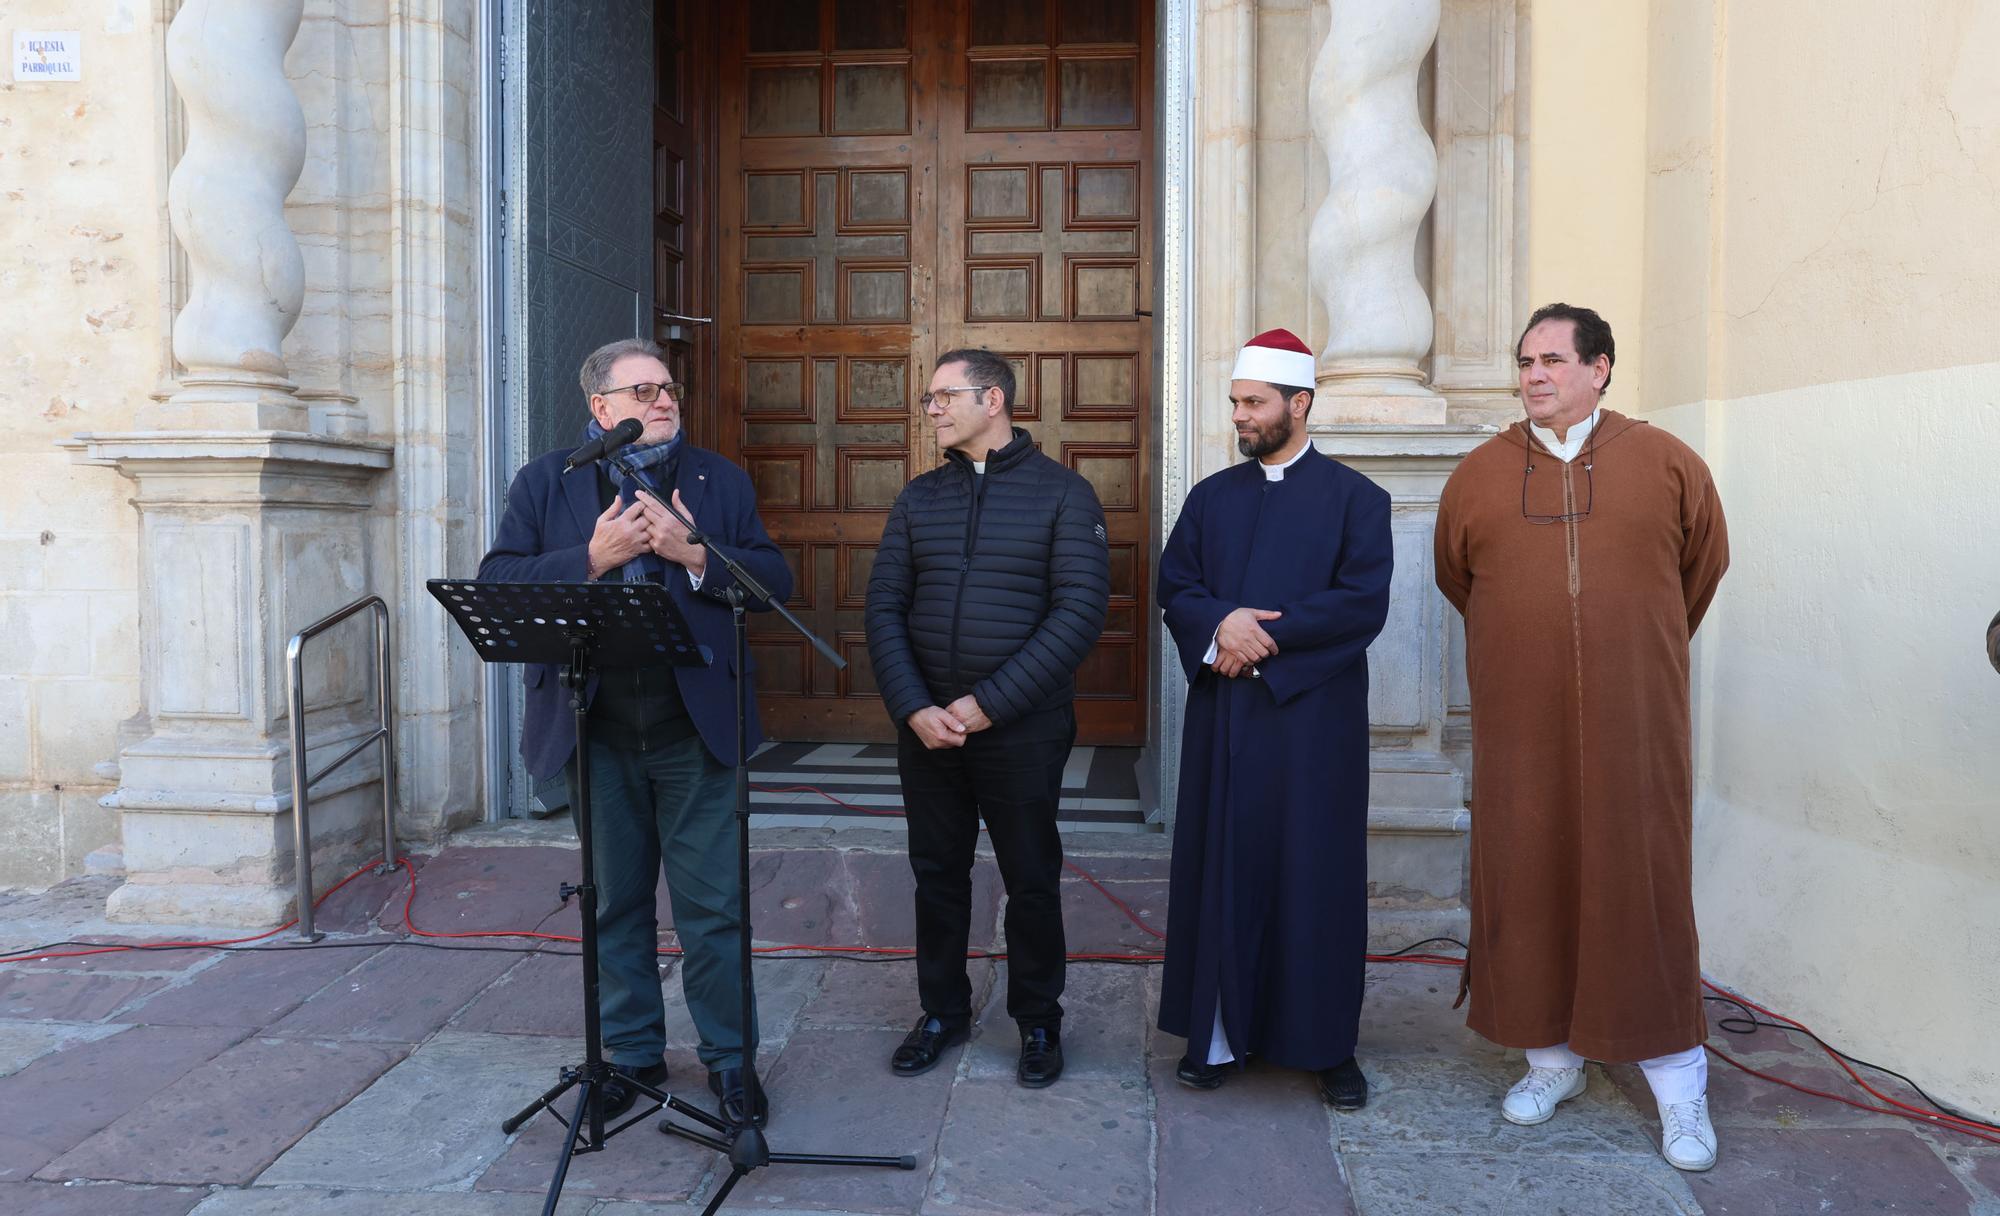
x,y
1577,652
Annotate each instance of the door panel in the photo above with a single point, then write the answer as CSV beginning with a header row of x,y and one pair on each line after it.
x,y
901,179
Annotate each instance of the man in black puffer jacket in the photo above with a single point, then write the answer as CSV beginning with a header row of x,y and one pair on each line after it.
x,y
989,588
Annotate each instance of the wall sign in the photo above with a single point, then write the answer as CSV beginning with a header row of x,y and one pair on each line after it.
x,y
42,55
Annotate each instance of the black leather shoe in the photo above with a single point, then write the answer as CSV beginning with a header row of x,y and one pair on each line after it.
x,y
1343,1086
1201,1076
1041,1057
924,1046
619,1096
727,1084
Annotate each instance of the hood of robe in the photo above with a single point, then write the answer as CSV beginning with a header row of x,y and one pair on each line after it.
x,y
1610,425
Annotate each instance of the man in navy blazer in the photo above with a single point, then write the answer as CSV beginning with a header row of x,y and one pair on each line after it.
x,y
663,739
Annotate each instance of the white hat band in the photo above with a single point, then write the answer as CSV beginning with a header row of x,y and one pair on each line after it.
x,y
1273,366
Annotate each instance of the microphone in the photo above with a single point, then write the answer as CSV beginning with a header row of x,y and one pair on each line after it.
x,y
617,437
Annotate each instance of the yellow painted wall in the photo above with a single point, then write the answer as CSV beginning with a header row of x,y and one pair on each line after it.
x,y
1586,81
1805,266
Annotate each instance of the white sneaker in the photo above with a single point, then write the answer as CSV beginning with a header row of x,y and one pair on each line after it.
x,y
1687,1137
1534,1097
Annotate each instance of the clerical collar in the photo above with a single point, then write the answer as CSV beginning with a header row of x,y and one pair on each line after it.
x,y
1276,472
1566,449
979,466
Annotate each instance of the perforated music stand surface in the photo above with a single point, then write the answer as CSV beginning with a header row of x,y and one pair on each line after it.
x,y
626,624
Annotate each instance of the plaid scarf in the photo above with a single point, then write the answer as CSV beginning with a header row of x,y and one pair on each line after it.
x,y
635,467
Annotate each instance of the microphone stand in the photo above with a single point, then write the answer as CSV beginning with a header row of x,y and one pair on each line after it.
x,y
749,1150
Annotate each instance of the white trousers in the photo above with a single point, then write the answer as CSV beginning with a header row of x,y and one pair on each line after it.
x,y
1679,1077
1218,1042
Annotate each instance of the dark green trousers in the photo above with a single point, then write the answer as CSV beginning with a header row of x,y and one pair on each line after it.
x,y
670,808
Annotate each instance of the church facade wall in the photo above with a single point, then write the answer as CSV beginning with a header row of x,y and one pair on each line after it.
x,y
83,268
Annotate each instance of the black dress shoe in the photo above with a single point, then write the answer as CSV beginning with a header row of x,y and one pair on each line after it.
x,y
1041,1057
1343,1086
728,1085
1201,1076
925,1045
620,1096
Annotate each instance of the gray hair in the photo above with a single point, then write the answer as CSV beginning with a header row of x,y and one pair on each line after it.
x,y
596,371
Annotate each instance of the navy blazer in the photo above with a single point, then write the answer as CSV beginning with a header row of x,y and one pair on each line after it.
x,y
545,538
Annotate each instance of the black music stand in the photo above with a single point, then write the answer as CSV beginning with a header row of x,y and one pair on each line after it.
x,y
748,1150
633,625
576,625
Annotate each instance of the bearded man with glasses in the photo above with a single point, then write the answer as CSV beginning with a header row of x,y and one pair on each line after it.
x,y
662,739
990,586
1583,548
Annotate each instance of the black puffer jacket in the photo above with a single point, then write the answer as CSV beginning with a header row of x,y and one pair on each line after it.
x,y
994,585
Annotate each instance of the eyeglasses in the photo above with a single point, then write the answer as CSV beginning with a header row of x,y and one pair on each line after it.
x,y
1589,486
926,400
647,392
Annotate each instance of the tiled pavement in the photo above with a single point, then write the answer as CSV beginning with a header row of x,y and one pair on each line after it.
x,y
359,1079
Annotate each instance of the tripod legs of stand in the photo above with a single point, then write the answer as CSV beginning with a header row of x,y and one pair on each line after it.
x,y
748,1150
587,1132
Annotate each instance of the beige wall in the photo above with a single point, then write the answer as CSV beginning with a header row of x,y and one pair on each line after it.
x,y
83,266
1586,168
1804,274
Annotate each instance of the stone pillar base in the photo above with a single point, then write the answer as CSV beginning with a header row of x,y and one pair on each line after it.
x,y
245,538
177,903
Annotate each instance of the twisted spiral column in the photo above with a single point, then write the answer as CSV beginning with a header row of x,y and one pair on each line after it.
x,y
1382,173
246,144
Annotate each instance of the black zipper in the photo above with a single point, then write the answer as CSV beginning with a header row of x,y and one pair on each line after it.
x,y
964,568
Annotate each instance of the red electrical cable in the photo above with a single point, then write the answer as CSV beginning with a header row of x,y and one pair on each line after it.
x,y
1899,1109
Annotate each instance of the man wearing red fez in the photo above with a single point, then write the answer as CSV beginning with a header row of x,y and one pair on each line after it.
x,y
1273,583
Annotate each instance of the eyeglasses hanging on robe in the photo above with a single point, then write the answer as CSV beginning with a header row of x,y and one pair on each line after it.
x,y
1589,487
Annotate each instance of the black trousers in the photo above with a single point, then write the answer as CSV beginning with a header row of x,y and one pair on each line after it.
x,y
1010,777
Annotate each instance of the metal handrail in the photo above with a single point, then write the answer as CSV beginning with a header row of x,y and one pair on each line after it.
x,y
384,733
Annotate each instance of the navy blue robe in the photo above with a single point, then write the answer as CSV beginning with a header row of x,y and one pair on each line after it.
x,y
1268,905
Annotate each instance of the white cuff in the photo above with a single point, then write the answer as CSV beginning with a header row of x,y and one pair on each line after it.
x,y
694,580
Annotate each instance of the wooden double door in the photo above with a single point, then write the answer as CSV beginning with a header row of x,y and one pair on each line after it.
x,y
899,178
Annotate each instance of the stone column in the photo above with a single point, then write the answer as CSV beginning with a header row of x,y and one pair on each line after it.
x,y
1382,172
246,142
250,526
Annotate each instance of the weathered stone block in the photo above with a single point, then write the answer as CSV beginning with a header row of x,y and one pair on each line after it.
x,y
32,823
16,765
290,1202
1426,1184
1103,1032
397,996
639,1163
96,1199
441,1108
1078,1146
87,824
65,1098
249,989
1431,1105
1260,1143
22,1043
42,634
228,1119
67,996
1777,1170
79,725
